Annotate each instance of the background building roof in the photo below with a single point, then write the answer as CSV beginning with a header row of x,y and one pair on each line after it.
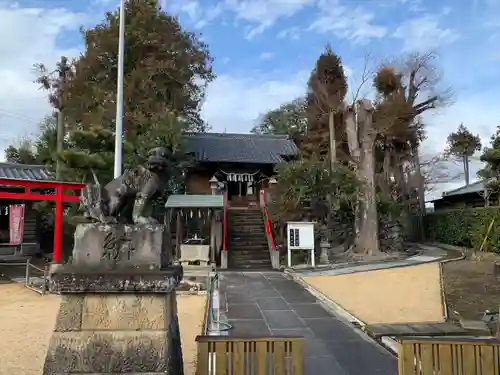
x,y
25,172
239,148
475,187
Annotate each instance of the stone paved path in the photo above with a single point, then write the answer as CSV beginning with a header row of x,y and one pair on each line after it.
x,y
271,304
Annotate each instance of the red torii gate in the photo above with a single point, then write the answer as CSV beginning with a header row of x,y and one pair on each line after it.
x,y
59,198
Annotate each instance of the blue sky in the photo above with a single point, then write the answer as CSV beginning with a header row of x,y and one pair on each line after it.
x,y
265,49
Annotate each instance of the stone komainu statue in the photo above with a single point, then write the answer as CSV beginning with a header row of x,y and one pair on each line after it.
x,y
128,198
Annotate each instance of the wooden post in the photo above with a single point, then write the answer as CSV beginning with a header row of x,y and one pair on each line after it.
x,y
178,235
212,239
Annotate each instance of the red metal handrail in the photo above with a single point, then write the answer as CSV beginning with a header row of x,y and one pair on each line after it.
x,y
269,232
224,248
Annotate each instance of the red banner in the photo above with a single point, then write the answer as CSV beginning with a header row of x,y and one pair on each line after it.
x,y
16,223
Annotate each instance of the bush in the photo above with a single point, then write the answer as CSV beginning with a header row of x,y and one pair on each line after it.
x,y
465,227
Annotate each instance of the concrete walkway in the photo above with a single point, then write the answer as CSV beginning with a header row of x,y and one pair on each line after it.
x,y
270,303
428,254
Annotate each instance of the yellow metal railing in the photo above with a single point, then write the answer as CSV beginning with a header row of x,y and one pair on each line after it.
x,y
226,355
447,356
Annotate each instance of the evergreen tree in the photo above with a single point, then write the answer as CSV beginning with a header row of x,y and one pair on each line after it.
x,y
289,119
327,88
491,157
166,70
463,144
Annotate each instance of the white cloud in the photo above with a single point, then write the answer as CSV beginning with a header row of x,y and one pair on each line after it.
x,y
28,36
264,13
234,102
424,34
198,15
355,24
292,33
266,56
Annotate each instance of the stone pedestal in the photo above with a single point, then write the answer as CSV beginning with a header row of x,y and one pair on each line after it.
x,y
116,316
120,245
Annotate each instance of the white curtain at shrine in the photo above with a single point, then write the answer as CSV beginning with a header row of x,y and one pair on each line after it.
x,y
245,180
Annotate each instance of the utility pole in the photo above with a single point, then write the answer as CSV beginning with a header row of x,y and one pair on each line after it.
x,y
62,70
119,94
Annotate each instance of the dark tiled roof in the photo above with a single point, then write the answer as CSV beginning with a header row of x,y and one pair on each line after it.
x,y
475,187
24,172
239,148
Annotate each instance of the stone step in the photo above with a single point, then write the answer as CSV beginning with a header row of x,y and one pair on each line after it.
x,y
245,228
244,237
255,244
247,222
248,258
246,247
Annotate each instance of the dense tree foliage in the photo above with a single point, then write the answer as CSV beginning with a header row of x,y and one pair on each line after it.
x,y
166,71
289,119
491,172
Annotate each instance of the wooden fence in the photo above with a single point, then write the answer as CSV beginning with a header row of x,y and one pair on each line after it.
x,y
449,356
226,355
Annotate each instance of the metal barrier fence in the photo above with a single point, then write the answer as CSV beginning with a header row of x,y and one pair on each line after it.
x,y
30,268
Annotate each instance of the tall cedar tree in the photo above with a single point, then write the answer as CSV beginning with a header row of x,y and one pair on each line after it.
x,y
166,71
327,88
463,144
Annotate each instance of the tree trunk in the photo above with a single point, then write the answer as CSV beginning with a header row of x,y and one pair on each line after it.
x,y
466,169
353,144
333,146
368,241
421,194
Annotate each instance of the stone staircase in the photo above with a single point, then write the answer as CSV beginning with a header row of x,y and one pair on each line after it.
x,y
247,242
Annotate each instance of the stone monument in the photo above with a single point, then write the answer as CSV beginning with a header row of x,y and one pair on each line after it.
x,y
118,313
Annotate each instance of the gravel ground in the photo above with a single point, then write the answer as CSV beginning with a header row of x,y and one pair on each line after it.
x,y
471,287
395,295
27,320
26,323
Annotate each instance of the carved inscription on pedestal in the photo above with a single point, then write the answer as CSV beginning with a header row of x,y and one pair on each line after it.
x,y
118,246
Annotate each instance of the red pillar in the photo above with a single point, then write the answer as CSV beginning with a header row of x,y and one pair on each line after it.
x,y
56,257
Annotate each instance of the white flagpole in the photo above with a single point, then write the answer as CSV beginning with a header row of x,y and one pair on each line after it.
x,y
119,94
